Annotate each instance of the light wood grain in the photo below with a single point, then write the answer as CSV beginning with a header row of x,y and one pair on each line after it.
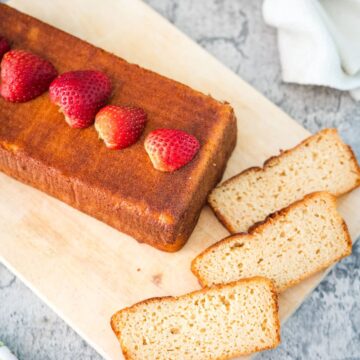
x,y
86,270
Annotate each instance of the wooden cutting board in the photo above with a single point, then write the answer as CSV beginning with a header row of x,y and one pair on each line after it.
x,y
86,270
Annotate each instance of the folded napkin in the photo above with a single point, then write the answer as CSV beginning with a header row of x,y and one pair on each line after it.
x,y
319,41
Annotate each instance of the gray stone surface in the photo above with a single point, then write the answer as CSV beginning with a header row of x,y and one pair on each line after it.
x,y
327,326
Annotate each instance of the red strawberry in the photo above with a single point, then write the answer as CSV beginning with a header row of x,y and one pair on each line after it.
x,y
4,46
170,149
80,95
120,126
25,76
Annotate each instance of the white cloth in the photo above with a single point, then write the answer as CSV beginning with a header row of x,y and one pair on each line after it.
x,y
319,41
5,353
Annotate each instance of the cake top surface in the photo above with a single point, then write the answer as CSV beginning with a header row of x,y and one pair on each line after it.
x,y
38,129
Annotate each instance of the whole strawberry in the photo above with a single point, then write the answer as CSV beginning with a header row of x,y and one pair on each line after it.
x,y
80,95
120,126
24,76
170,149
4,46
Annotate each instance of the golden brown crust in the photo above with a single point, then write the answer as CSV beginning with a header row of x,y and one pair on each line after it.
x,y
222,218
274,296
258,228
120,188
357,166
273,160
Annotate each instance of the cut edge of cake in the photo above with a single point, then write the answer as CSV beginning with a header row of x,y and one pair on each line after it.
x,y
259,227
117,323
270,162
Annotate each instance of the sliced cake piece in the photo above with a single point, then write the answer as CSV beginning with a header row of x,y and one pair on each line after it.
x,y
289,246
217,323
320,163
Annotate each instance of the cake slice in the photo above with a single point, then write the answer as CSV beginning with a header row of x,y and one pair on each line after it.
x,y
320,163
120,188
216,323
289,246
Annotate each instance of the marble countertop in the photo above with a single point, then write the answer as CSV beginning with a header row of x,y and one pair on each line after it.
x,y
327,326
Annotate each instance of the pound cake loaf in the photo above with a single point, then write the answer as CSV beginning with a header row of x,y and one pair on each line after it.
x,y
215,323
320,163
121,188
289,246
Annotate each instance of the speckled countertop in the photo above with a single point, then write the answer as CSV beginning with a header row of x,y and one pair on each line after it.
x,y
327,326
